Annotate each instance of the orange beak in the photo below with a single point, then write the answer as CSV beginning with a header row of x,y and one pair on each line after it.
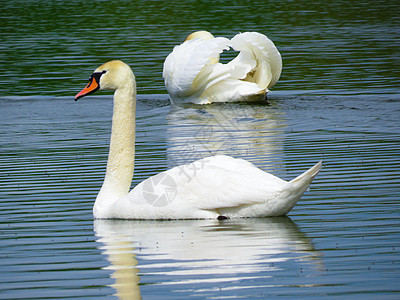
x,y
91,87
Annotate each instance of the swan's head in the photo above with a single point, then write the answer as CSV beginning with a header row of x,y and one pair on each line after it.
x,y
112,75
202,34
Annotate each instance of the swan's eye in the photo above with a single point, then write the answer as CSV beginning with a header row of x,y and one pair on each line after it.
x,y
96,76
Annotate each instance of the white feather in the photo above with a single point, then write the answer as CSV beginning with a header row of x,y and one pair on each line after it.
x,y
208,188
186,69
192,71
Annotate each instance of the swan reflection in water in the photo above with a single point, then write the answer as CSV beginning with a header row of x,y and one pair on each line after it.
x,y
252,132
226,251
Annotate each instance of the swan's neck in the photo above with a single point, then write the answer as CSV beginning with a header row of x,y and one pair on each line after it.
x,y
121,155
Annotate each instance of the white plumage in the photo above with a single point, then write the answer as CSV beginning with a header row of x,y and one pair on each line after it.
x,y
212,187
192,71
207,188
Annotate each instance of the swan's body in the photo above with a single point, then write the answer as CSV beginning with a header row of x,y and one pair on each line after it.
x,y
207,188
193,73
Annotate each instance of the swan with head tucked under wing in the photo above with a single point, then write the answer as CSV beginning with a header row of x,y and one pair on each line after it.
x,y
220,187
192,71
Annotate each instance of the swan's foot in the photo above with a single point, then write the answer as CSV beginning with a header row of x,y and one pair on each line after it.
x,y
222,218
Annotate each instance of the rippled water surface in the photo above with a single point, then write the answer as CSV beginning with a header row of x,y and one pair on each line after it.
x,y
338,99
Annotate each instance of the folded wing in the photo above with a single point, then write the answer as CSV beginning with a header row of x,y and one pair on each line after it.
x,y
189,68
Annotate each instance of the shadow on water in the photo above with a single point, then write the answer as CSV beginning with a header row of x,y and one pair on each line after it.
x,y
194,252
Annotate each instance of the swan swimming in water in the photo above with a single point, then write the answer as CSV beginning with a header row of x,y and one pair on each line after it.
x,y
221,187
192,71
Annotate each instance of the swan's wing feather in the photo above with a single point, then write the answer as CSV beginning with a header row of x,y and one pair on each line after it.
x,y
210,76
242,64
180,68
185,62
223,182
260,48
233,90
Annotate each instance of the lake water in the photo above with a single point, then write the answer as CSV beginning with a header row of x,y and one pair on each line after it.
x,y
338,99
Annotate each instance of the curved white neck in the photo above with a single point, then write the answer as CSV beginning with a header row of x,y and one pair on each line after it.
x,y
121,156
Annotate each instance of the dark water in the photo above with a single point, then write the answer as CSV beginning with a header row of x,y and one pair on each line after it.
x,y
338,99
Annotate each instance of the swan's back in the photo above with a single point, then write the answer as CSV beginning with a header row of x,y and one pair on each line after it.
x,y
208,188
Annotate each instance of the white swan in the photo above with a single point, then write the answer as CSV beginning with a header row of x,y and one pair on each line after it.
x,y
192,71
218,185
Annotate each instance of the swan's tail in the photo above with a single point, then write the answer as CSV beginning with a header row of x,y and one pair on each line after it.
x,y
295,188
309,174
